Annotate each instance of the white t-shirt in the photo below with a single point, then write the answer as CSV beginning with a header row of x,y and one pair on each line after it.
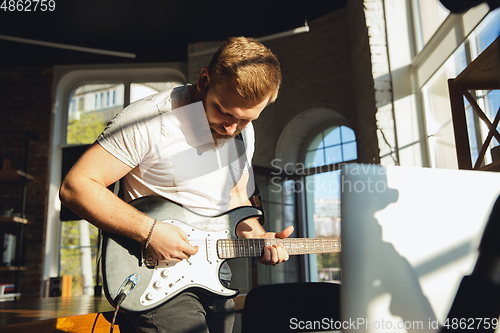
x,y
166,139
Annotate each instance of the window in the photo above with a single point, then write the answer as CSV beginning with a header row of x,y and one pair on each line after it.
x,y
81,104
437,100
429,14
91,120
331,147
79,239
438,112
489,100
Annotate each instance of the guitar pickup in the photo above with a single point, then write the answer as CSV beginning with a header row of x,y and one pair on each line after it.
x,y
208,249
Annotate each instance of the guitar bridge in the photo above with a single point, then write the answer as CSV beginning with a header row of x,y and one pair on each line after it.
x,y
147,258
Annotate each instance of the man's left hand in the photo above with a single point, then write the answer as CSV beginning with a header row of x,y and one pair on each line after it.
x,y
275,254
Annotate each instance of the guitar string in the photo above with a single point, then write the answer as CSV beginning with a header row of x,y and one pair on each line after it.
x,y
231,247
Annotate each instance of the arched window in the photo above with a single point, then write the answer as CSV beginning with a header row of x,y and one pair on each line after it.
x,y
323,158
336,144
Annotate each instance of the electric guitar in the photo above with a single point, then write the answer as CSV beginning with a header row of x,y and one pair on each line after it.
x,y
217,241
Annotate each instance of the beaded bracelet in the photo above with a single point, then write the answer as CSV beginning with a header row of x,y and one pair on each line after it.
x,y
150,233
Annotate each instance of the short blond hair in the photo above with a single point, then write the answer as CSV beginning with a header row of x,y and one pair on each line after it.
x,y
253,66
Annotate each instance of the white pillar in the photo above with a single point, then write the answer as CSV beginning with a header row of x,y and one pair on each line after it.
x,y
86,259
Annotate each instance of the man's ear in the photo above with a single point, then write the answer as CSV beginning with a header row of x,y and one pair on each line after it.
x,y
203,79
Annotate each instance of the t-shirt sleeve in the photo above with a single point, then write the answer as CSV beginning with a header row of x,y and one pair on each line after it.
x,y
129,134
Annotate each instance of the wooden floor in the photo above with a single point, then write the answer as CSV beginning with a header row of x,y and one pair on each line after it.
x,y
77,314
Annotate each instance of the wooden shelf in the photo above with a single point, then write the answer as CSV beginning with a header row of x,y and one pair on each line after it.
x,y
494,166
14,175
13,268
9,297
13,219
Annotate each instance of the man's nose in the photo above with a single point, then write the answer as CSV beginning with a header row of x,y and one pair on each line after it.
x,y
231,128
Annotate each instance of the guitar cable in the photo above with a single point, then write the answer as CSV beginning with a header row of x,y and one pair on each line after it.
x,y
125,289
114,319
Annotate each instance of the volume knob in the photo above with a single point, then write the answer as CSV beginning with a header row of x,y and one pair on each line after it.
x,y
157,285
149,296
164,273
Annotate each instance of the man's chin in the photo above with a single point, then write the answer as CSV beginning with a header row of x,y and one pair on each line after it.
x,y
217,136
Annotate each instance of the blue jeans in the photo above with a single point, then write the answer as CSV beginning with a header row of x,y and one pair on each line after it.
x,y
192,311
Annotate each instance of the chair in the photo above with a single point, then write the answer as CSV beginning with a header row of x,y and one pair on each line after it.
x,y
291,307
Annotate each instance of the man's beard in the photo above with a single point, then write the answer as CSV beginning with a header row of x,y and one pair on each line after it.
x,y
220,139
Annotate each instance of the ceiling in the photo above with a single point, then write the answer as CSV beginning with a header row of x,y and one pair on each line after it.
x,y
152,30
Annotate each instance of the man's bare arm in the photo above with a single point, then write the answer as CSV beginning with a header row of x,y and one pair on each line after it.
x,y
84,190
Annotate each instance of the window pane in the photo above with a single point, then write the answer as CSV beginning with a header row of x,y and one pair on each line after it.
x,y
324,212
487,31
471,129
332,149
326,186
350,151
280,213
90,108
430,15
438,112
78,255
493,104
332,137
315,158
323,197
347,134
333,155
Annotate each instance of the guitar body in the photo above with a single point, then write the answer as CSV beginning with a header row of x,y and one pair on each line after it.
x,y
161,281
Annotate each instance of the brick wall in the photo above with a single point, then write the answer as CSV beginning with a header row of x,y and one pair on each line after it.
x,y
363,83
25,104
387,141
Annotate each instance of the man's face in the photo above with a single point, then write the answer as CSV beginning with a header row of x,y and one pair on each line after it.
x,y
227,112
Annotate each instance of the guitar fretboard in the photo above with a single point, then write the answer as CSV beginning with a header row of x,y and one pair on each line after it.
x,y
254,247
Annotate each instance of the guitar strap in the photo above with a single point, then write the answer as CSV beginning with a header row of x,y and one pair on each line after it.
x,y
255,198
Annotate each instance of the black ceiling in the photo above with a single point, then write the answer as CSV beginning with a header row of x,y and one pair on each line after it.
x,y
153,30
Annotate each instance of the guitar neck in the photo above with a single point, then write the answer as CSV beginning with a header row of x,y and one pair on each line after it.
x,y
254,247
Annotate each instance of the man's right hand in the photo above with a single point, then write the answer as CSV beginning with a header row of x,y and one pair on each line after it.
x,y
169,243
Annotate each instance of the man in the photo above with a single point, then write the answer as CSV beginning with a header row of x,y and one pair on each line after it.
x,y
181,145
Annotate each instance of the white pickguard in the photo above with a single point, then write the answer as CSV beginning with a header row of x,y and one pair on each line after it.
x,y
201,270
